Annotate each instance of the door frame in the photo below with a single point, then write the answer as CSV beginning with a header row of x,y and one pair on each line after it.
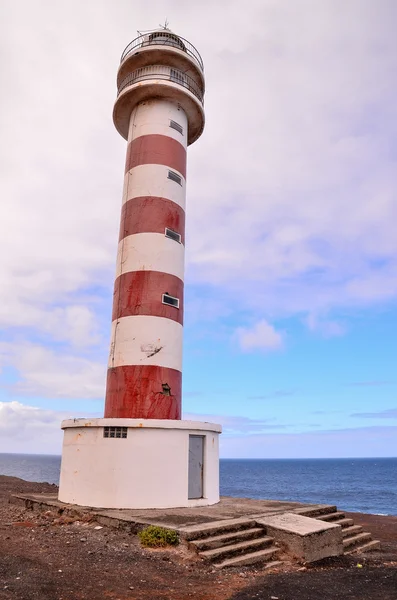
x,y
203,466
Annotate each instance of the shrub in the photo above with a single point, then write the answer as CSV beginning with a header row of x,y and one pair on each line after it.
x,y
158,537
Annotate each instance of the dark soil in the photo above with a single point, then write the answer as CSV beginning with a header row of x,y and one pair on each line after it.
x,y
348,583
47,557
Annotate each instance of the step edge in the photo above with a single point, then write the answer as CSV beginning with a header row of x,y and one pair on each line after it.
x,y
193,532
330,516
245,534
346,522
374,544
238,560
346,533
351,541
315,511
207,554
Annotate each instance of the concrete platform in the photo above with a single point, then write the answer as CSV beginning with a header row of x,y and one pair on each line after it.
x,y
180,519
236,531
305,538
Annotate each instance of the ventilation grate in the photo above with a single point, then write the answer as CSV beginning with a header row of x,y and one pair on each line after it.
x,y
175,177
173,235
115,432
170,300
175,125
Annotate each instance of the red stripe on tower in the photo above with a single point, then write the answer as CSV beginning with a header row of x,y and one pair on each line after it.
x,y
151,391
140,293
156,150
151,214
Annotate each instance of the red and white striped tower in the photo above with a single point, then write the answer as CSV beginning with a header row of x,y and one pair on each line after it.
x,y
159,111
128,458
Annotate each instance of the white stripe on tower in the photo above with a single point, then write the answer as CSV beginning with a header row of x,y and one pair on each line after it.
x,y
150,252
131,351
145,363
152,180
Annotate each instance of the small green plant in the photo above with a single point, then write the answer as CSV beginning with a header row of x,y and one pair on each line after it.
x,y
158,537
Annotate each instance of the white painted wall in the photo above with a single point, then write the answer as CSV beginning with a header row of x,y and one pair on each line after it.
x,y
148,469
136,339
150,252
152,180
154,116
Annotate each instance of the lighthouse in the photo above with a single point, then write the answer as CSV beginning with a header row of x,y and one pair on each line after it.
x,y
142,454
159,111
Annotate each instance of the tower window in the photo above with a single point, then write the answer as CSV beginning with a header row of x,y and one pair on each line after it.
x,y
115,432
176,126
173,235
170,300
175,177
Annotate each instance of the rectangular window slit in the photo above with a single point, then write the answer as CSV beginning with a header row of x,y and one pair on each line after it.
x,y
175,177
173,235
175,125
115,432
170,300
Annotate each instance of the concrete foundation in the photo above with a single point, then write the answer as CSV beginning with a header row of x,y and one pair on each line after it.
x,y
306,539
138,463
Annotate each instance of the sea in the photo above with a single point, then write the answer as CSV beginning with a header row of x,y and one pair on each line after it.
x,y
366,485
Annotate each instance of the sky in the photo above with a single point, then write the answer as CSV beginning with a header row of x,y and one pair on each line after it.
x,y
291,278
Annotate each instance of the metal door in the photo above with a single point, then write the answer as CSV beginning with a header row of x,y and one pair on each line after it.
x,y
196,466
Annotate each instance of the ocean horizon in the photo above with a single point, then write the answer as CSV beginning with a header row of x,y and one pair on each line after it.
x,y
366,485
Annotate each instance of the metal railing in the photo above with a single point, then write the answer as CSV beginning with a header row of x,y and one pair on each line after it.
x,y
164,74
163,38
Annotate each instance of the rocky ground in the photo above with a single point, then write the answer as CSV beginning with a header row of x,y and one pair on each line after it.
x,y
47,557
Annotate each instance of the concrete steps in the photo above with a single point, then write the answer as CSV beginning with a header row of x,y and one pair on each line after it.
x,y
226,538
354,538
372,545
315,511
244,541
234,543
195,532
352,530
237,548
252,558
342,522
332,516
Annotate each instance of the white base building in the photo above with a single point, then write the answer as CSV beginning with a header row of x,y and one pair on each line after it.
x,y
139,463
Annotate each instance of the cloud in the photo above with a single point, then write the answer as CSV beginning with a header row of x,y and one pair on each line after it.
x,y
261,336
235,424
47,373
280,228
75,324
390,413
325,327
297,219
342,443
25,427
